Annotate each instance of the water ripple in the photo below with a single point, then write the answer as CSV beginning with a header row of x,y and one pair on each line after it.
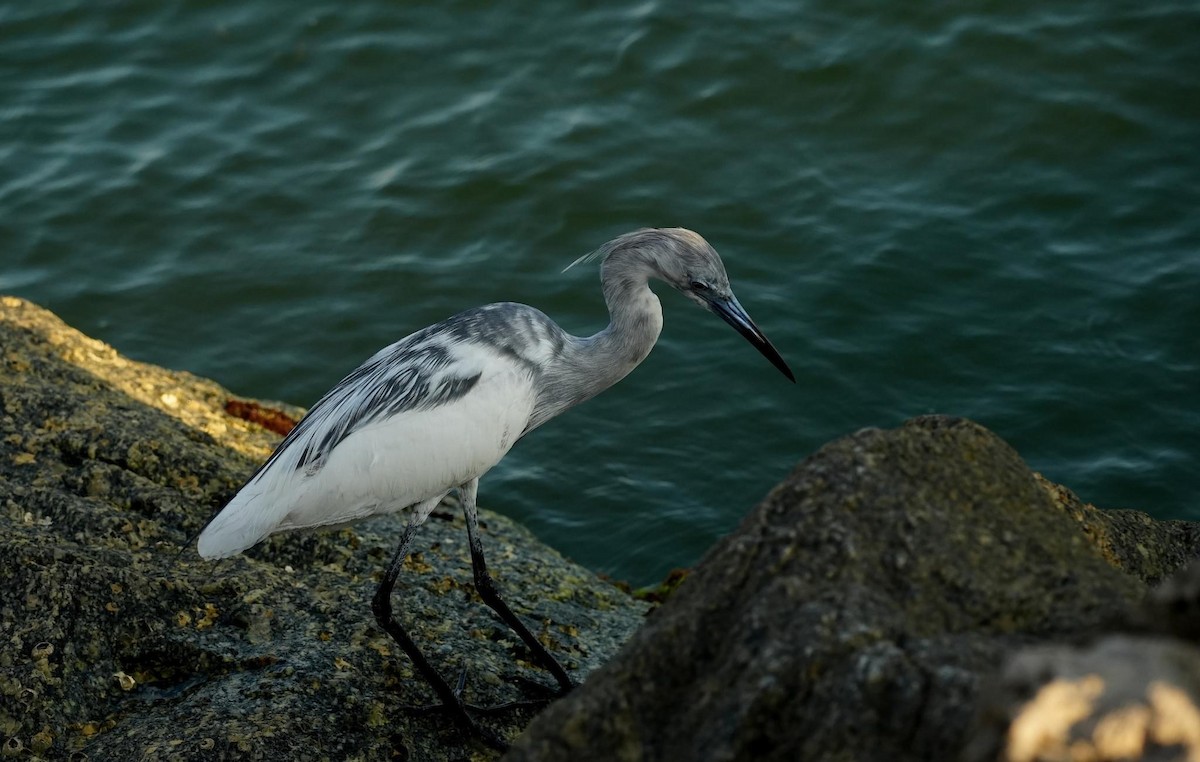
x,y
986,212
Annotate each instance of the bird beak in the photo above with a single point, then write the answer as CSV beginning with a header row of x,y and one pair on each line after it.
x,y
733,313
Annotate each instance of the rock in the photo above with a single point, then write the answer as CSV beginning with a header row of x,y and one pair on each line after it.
x,y
1132,541
1124,698
1174,606
854,614
117,642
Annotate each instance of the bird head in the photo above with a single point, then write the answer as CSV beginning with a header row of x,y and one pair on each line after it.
x,y
686,262
699,274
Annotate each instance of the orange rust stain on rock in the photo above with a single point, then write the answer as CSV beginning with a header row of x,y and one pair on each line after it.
x,y
269,418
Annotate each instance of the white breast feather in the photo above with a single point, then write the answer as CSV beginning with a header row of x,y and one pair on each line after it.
x,y
387,465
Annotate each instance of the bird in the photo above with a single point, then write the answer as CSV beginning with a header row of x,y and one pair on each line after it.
x,y
434,411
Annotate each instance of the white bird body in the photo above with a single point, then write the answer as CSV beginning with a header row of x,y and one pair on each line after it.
x,y
409,459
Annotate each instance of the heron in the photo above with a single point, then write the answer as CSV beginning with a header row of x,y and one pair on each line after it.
x,y
434,411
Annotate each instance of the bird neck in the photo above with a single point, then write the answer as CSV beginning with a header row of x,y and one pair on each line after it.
x,y
588,366
635,321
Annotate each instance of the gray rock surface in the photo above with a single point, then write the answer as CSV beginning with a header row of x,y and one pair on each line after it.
x,y
118,643
854,614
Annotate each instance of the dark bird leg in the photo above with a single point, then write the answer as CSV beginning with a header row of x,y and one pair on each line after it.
x,y
491,596
381,604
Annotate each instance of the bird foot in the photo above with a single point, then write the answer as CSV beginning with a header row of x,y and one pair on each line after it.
x,y
462,713
550,692
485,711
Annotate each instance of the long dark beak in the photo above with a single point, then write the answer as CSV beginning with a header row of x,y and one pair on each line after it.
x,y
733,313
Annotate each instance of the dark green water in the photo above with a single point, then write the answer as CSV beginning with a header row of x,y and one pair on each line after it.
x,y
979,209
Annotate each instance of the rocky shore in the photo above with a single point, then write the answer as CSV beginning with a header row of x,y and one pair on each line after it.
x,y
118,643
909,594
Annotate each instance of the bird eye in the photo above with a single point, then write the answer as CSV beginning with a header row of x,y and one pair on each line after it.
x,y
698,285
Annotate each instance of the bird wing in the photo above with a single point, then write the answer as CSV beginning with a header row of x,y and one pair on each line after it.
x,y
420,372
417,419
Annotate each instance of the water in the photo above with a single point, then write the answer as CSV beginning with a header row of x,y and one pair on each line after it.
x,y
985,211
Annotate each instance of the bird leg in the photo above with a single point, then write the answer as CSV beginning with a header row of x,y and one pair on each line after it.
x,y
381,605
491,596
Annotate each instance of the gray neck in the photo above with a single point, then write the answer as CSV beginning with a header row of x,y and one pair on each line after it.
x,y
588,366
635,320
